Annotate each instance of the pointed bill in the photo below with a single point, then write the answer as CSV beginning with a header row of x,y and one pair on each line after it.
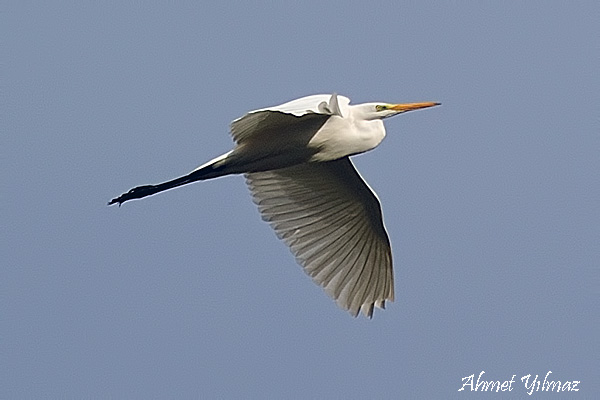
x,y
412,106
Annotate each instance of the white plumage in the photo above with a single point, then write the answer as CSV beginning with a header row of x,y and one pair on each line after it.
x,y
295,159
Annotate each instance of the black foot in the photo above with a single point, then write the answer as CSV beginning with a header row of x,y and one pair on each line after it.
x,y
135,193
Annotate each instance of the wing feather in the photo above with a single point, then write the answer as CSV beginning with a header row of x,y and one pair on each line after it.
x,y
274,122
332,222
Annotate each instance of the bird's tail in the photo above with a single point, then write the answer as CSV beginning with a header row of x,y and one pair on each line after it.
x,y
212,169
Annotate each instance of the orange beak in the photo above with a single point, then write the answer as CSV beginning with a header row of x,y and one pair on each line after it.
x,y
412,106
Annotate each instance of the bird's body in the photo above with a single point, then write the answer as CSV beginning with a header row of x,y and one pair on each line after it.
x,y
295,158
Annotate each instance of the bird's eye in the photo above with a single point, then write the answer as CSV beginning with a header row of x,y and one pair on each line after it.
x,y
380,107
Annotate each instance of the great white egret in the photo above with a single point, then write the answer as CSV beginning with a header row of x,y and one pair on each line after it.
x,y
295,158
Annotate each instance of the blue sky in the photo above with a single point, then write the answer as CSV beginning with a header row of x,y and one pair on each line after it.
x,y
491,200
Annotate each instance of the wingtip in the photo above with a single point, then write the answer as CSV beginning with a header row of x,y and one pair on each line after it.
x,y
368,310
365,309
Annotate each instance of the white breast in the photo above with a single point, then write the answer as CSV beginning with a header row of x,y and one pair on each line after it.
x,y
340,137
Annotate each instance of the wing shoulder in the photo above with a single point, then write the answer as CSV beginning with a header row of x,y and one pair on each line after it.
x,y
285,115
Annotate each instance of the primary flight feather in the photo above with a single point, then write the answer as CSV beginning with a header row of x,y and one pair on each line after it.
x,y
295,157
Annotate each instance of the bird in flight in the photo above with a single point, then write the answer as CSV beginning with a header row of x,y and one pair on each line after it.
x,y
295,158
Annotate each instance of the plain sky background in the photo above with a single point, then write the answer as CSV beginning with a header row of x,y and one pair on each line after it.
x,y
492,201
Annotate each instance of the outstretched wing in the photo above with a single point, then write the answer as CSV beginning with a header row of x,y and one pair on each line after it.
x,y
332,222
259,124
